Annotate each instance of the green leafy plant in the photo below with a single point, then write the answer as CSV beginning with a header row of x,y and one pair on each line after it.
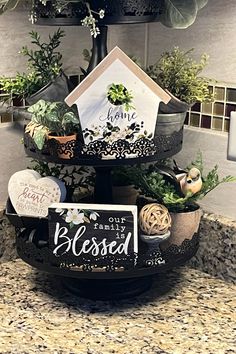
x,y
75,178
118,94
51,117
44,65
179,73
153,184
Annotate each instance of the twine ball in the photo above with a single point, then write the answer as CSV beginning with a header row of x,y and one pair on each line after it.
x,y
154,219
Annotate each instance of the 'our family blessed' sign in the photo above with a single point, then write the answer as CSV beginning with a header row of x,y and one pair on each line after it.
x,y
94,234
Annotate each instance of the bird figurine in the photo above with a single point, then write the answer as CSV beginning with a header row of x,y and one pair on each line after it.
x,y
191,182
184,181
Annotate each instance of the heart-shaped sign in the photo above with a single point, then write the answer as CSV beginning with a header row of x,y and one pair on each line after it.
x,y
31,194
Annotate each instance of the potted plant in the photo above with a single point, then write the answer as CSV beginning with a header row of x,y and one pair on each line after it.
x,y
123,190
163,185
45,78
53,120
178,73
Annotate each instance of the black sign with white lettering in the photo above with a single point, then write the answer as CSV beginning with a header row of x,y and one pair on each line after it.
x,y
92,236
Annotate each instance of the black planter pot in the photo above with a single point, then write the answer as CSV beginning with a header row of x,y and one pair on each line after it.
x,y
56,90
116,12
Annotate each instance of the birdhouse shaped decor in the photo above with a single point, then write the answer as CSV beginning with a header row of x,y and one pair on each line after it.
x,y
117,102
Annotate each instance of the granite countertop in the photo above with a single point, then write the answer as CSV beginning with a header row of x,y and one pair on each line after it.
x,y
186,311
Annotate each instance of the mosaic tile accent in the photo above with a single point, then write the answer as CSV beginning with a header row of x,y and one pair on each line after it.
x,y
215,115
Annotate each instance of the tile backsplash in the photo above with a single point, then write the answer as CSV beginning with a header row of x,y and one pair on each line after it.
x,y
215,115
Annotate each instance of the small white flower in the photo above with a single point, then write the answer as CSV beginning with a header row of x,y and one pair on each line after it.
x,y
73,216
101,13
93,216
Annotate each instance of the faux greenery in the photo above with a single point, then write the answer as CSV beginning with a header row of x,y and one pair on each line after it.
x,y
73,177
44,65
153,184
54,117
118,94
179,73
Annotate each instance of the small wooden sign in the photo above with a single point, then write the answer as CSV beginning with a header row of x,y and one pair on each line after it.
x,y
94,235
31,194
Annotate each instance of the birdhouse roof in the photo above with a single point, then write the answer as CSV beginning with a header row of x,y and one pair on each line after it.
x,y
116,54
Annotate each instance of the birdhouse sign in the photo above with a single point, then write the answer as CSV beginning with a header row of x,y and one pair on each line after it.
x,y
117,100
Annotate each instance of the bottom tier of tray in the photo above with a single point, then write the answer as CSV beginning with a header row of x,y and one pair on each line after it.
x,y
149,260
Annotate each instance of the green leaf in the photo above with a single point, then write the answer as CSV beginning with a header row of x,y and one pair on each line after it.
x,y
70,117
39,137
179,13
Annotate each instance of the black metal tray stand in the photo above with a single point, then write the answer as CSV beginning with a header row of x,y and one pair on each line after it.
x,y
32,239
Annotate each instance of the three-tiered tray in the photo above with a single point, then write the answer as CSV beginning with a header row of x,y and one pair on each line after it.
x,y
106,277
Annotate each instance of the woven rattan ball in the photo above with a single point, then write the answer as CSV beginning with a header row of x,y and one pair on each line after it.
x,y
154,219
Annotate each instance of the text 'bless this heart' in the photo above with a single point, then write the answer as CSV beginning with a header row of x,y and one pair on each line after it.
x,y
31,194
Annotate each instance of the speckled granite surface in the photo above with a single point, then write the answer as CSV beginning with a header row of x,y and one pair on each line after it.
x,y
7,238
186,312
217,249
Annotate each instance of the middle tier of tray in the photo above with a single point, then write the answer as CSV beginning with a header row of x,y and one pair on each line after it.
x,y
100,153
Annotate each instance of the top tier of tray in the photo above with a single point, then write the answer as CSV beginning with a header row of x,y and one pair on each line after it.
x,y
117,12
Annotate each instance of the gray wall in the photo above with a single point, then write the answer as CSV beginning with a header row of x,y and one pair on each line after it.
x,y
214,32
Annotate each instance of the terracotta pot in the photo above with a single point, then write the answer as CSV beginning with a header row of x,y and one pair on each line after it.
x,y
64,152
184,226
126,195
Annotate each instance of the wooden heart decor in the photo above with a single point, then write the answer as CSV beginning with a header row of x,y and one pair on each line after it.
x,y
31,194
